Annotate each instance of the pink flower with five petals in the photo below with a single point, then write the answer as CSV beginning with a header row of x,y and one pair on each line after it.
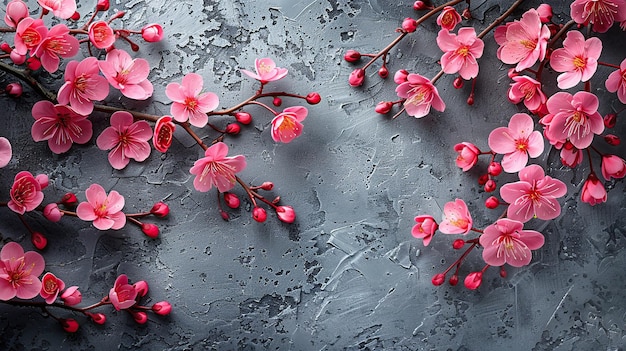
x,y
578,59
58,42
101,34
128,75
600,13
533,196
60,126
460,52
266,71
104,210
122,295
286,126
19,272
456,218
29,34
25,193
83,85
425,228
529,91
616,82
50,287
217,169
188,103
127,140
517,142
574,117
505,241
420,95
523,42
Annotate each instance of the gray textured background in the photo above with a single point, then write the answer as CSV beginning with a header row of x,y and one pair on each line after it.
x,y
347,274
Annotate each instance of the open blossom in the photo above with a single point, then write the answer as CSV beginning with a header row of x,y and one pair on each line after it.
x,y
535,195
613,166
63,9
286,126
101,34
60,126
6,151
125,139
16,11
467,155
128,75
122,295
83,85
266,71
217,169
58,42
188,103
29,34
163,133
578,59
523,42
529,91
460,52
616,82
425,228
574,117
593,191
104,210
25,193
600,13
50,287
19,272
420,95
456,218
505,241
517,142
448,18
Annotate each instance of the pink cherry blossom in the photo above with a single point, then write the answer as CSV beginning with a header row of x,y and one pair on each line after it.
x,y
600,13
448,18
101,34
533,196
517,142
570,155
217,169
467,155
529,91
420,95
16,11
286,126
128,75
83,85
25,193
72,296
505,241
29,34
19,272
152,32
60,126
460,52
578,59
593,191
574,117
50,287
266,71
613,166
616,82
63,9
425,228
523,42
122,295
163,133
127,140
5,151
188,103
104,210
57,43
456,218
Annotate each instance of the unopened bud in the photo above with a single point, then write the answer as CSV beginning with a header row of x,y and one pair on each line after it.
x,y
357,77
33,63
610,120
142,288
409,25
162,308
69,325
383,107
454,280
259,214
473,280
612,139
494,169
6,47
277,101
419,6
69,199
103,5
98,318
160,209
39,240
503,273
224,215
400,76
482,180
490,185
438,279
75,16
383,72
140,317
470,99
352,56
492,202
231,200
243,117
313,98
267,186
458,243
14,89
151,230
233,128
286,214
457,83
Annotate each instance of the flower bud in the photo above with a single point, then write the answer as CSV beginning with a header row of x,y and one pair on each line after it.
x,y
503,273
52,212
14,89
70,325
38,240
98,318
33,63
17,58
610,120
16,11
6,47
438,279
233,128
75,16
383,72
352,56
473,280
457,83
224,215
490,185
470,99
231,200
492,202
612,139
494,169
267,186
162,308
313,98
43,180
103,5
286,214
276,200
69,199
482,180
383,107
458,244
545,13
139,316
160,209
259,214
467,14
357,77
152,33
71,296
454,280
409,25
142,288
593,191
243,117
151,230
400,76
277,101
419,5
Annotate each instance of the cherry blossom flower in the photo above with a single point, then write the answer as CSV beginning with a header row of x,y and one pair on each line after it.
x,y
523,42
460,52
505,241
517,142
163,133
600,13
456,218
50,287
71,296
266,71
127,140
60,126
616,82
122,295
58,42
467,155
533,196
613,166
83,85
19,272
188,103
578,58
5,151
152,33
128,75
286,126
420,95
529,91
101,34
25,193
570,155
593,191
574,117
448,18
16,11
425,228
52,212
217,169
29,34
63,9
104,210
545,13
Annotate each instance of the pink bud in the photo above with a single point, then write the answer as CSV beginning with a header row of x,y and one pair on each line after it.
x,y
494,169
454,280
162,308
17,58
52,212
139,316
152,33
490,185
357,77
545,13
612,139
383,72
503,272
482,180
419,5
103,5
267,186
33,63
243,117
473,280
14,89
409,25
277,101
69,325
151,230
313,98
16,11
71,296
224,215
610,120
98,318
492,202
383,107
400,76
69,199
259,214
6,47
457,83
352,56
160,209
75,16
233,128
38,240
458,243
231,200
286,214
438,279
43,180
141,287
470,100
467,14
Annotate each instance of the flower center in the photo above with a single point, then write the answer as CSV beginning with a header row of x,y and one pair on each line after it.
x,y
50,286
264,68
191,103
463,51
31,37
81,82
101,211
576,124
580,62
417,95
24,190
528,44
